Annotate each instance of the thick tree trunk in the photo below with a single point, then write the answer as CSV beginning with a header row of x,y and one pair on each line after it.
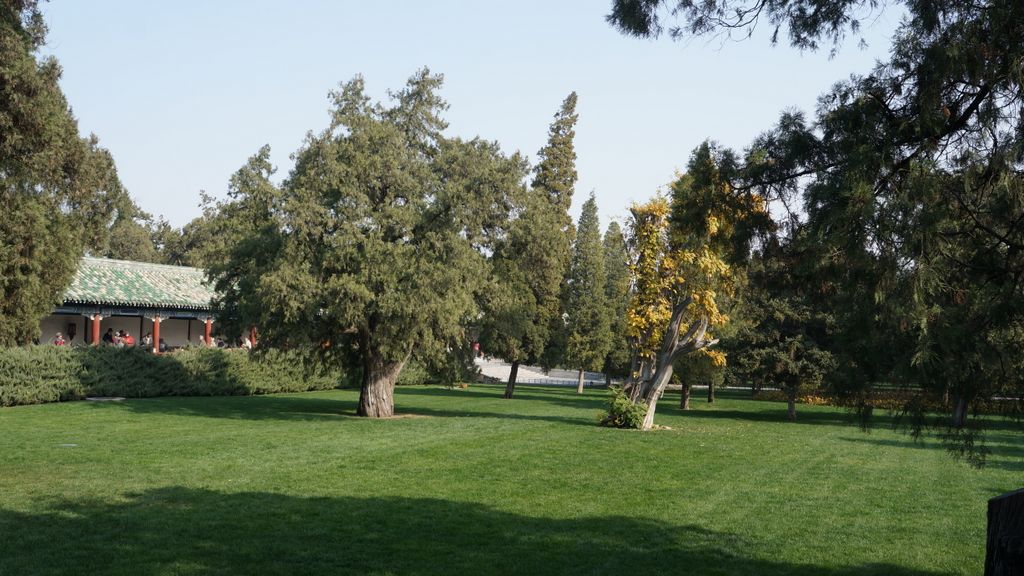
x,y
959,417
684,396
654,390
579,382
510,388
711,393
1004,552
672,345
791,401
377,394
608,379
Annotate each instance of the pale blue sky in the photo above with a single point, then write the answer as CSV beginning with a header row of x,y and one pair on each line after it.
x,y
182,93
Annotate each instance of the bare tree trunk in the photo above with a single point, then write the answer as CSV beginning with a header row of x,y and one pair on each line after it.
x,y
579,382
377,393
672,345
510,388
653,392
959,418
684,396
608,378
791,401
711,392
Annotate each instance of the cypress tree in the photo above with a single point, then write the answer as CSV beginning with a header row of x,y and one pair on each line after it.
x,y
555,180
588,326
524,305
616,289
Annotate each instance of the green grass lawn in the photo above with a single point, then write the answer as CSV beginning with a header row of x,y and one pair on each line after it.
x,y
474,484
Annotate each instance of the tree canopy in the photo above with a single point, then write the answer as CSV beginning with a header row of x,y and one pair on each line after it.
x,y
60,192
374,248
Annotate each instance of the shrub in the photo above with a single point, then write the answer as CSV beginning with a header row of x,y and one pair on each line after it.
x,y
622,413
894,400
38,374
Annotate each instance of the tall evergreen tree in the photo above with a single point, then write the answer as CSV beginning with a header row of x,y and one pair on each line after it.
x,y
616,289
523,309
59,191
555,179
588,319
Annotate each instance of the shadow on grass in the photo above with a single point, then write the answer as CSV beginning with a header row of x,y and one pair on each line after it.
x,y
1007,450
191,531
592,400
305,408
767,414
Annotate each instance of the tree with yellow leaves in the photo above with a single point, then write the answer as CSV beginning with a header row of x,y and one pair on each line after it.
x,y
681,269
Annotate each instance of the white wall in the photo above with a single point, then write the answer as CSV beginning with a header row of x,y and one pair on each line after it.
x,y
54,323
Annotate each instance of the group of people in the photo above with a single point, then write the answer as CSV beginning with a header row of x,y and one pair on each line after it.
x,y
124,339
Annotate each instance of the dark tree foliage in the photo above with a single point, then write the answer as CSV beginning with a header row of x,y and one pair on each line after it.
x,y
808,23
784,344
59,191
910,182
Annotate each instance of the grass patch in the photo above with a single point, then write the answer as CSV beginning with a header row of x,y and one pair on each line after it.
x,y
289,484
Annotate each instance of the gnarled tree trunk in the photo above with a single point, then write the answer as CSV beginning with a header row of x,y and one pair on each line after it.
x,y
377,393
510,388
672,345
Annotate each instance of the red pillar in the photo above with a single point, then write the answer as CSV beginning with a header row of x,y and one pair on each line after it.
x,y
207,331
156,334
252,336
95,329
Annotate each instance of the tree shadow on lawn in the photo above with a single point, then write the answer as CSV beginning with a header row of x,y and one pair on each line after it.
x,y
1007,449
191,531
558,396
768,414
302,407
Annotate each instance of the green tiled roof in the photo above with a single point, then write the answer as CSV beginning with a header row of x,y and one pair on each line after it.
x,y
124,283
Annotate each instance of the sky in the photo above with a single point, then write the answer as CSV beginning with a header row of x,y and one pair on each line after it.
x,y
182,93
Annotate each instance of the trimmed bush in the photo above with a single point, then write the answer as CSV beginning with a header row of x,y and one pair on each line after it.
x,y
38,374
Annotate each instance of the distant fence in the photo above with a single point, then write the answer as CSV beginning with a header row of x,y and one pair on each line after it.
x,y
561,382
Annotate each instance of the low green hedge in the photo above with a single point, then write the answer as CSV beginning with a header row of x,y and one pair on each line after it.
x,y
38,374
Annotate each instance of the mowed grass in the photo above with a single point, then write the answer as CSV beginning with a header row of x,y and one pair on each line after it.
x,y
470,483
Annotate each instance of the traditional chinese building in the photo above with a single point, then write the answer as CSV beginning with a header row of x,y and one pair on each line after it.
x,y
172,303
